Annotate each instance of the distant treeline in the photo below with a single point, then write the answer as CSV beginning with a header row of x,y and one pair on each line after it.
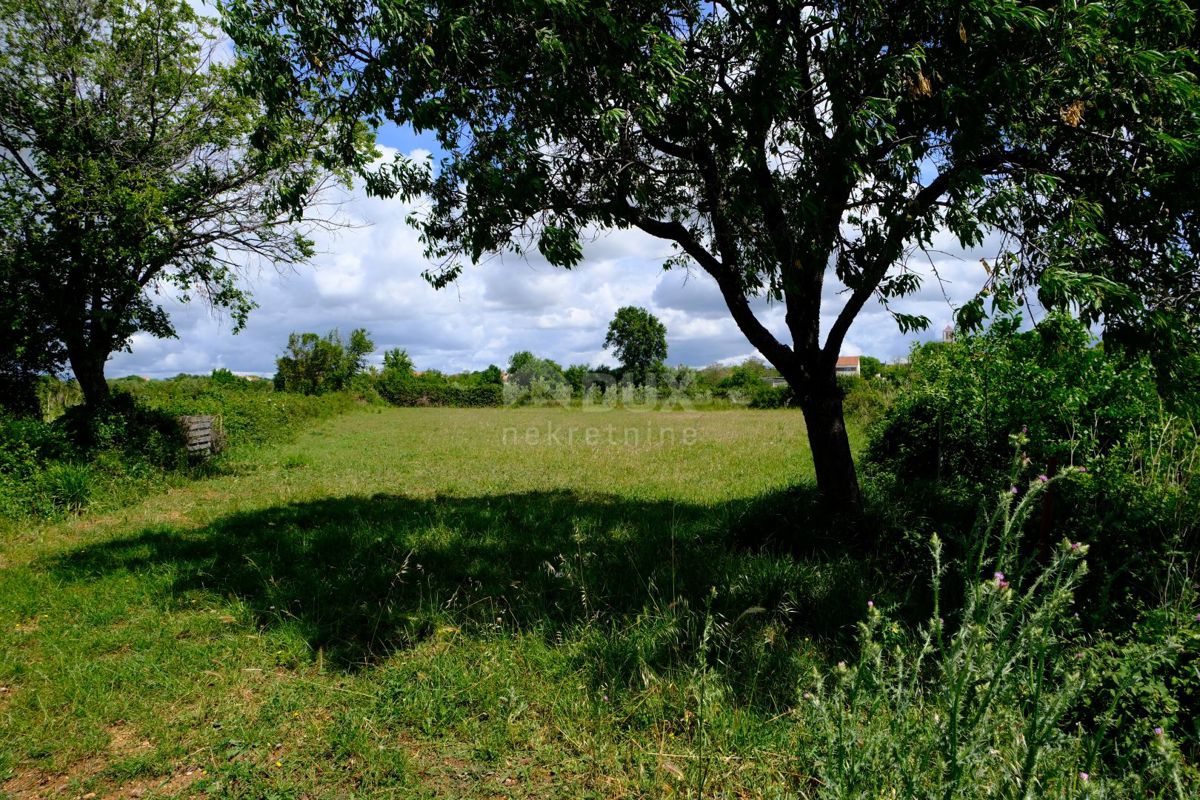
x,y
314,364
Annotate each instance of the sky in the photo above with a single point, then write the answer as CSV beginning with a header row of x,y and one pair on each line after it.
x,y
369,275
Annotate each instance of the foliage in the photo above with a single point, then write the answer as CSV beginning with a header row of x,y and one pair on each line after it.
x,y
399,384
525,369
868,399
1069,403
769,141
398,361
251,411
435,390
640,341
128,170
114,450
576,376
28,348
312,364
989,701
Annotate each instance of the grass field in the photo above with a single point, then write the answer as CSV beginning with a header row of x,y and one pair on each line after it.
x,y
432,603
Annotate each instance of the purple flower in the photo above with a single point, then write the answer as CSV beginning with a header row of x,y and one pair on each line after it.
x,y
1075,546
1001,583
1081,469
999,576
1043,478
1083,776
1158,731
870,604
1013,490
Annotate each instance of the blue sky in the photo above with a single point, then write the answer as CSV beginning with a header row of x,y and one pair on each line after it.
x,y
369,275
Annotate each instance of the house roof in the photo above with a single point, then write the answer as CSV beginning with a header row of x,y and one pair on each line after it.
x,y
847,361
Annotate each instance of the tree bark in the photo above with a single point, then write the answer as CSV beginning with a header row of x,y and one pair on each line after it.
x,y
837,479
88,365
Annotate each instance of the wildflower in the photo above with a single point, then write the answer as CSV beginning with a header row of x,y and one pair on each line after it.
x,y
870,604
1083,776
1158,732
1081,469
1043,477
1013,490
1001,581
841,665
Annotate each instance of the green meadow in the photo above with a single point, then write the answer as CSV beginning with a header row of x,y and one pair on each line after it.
x,y
432,603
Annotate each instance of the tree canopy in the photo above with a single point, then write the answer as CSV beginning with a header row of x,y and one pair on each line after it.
x,y
640,341
128,171
313,364
778,145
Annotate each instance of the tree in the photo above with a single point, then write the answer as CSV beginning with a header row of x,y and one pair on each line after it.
x,y
127,171
398,361
776,144
576,375
640,341
492,375
314,365
524,368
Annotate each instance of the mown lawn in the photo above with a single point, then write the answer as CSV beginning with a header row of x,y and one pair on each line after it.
x,y
433,603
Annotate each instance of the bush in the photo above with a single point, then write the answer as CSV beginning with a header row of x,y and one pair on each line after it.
x,y
423,390
1067,403
137,431
251,410
867,400
992,701
47,469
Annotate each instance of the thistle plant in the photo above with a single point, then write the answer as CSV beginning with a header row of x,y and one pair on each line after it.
x,y
976,703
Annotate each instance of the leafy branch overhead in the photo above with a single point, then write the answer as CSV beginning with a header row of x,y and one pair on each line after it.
x,y
775,143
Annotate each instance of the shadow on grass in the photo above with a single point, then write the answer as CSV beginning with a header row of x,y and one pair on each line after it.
x,y
361,577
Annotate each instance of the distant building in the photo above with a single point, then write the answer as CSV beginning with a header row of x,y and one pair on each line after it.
x,y
948,333
848,365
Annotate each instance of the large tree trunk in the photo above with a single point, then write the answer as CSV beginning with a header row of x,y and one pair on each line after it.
x,y
837,479
88,365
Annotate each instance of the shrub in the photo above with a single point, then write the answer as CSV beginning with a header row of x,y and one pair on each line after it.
x,y
866,400
1068,402
993,700
52,468
436,391
252,412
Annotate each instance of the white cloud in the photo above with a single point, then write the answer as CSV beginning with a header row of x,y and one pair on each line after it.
x,y
370,276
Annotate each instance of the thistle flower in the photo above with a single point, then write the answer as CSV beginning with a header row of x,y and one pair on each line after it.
x,y
1083,776
1043,477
